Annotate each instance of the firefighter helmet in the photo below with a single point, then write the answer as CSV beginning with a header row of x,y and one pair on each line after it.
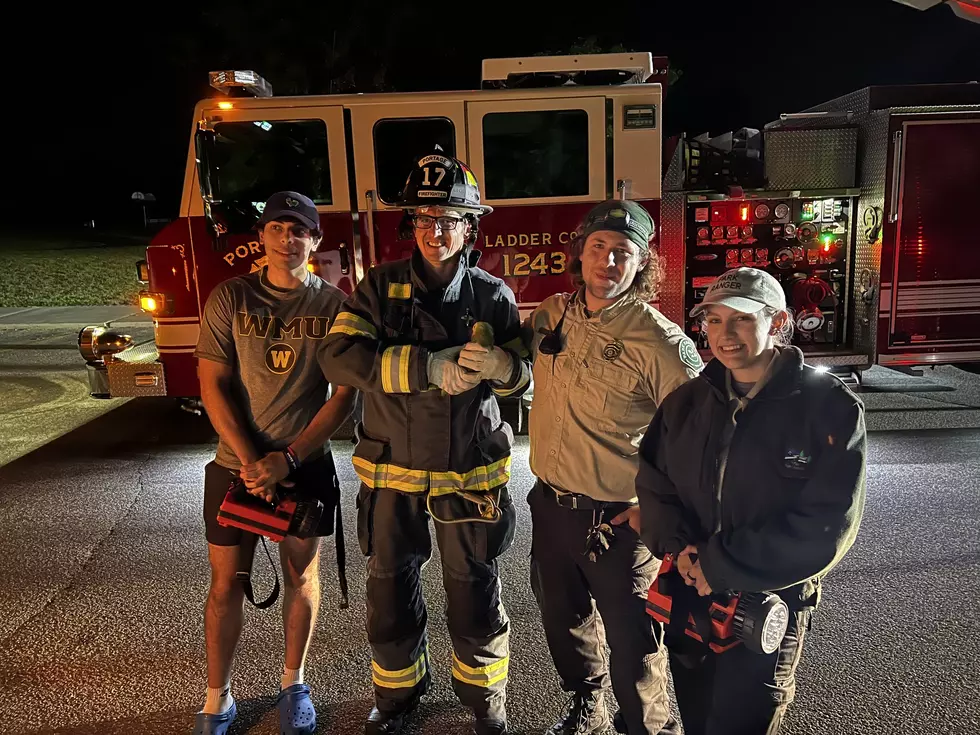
x,y
442,181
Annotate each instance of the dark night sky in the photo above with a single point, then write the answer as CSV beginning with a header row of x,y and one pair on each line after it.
x,y
101,106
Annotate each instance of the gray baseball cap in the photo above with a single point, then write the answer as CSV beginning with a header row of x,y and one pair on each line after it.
x,y
744,289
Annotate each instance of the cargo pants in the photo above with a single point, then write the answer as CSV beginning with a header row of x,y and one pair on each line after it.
x,y
393,530
585,604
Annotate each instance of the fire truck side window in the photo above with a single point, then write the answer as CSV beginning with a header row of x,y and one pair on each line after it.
x,y
257,158
399,141
544,153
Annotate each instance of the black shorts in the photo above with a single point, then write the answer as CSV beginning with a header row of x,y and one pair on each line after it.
x,y
315,479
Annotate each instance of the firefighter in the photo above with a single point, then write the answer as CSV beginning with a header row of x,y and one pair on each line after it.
x,y
604,359
752,477
432,443
272,406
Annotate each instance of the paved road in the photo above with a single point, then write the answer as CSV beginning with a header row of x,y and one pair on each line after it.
x,y
103,576
43,386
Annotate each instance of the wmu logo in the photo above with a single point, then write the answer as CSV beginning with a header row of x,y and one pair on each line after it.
x,y
299,327
280,358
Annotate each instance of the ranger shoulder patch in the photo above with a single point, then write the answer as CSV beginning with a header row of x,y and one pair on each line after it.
x,y
689,354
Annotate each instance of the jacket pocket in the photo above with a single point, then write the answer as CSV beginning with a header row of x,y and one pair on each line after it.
x,y
609,390
368,453
493,539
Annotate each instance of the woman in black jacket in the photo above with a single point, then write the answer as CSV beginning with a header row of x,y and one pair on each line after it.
x,y
752,479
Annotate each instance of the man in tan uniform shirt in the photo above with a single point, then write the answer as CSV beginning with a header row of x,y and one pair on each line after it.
x,y
603,361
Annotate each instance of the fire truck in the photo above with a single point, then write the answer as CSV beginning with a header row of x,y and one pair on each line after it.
x,y
859,206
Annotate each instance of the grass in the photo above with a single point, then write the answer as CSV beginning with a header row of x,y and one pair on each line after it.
x,y
69,275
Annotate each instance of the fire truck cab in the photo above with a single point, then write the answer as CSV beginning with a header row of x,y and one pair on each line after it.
x,y
547,137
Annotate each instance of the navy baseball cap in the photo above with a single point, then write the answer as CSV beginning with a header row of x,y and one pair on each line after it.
x,y
291,205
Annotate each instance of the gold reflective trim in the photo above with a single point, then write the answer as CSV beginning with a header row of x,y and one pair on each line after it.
x,y
482,676
399,291
393,477
394,369
401,679
352,324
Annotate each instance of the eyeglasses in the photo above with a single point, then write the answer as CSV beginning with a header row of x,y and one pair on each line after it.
x,y
425,221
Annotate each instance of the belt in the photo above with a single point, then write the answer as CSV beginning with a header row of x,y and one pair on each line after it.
x,y
576,501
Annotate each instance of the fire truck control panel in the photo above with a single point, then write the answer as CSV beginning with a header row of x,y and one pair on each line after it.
x,y
805,242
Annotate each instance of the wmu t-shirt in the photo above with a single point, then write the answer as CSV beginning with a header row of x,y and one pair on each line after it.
x,y
273,339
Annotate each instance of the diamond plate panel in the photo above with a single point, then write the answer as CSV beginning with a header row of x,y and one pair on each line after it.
x,y
867,250
818,158
136,372
672,256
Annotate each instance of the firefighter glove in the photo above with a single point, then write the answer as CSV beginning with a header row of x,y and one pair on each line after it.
x,y
444,372
492,364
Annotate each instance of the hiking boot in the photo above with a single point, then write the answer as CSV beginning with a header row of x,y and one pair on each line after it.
x,y
490,726
585,715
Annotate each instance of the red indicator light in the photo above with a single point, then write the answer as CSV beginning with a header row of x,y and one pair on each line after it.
x,y
745,214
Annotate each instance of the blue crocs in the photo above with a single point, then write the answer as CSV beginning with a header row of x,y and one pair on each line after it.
x,y
296,713
205,724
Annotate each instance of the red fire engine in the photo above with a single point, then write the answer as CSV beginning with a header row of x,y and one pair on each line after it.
x,y
855,205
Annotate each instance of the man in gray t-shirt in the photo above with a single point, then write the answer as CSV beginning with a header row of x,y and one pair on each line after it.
x,y
268,397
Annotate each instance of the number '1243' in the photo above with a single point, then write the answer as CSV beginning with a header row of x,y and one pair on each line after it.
x,y
544,264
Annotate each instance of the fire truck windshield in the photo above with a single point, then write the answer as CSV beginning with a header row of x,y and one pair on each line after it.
x,y
251,160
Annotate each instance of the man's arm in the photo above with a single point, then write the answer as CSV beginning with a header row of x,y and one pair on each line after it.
x,y
264,474
216,394
328,419
506,365
355,355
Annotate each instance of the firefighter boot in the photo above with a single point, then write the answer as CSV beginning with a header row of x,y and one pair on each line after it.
x,y
586,715
390,721
490,726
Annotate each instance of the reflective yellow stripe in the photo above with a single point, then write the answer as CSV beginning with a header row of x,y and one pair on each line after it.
x,y
399,290
482,676
478,479
504,392
394,369
390,476
393,477
401,679
518,346
352,324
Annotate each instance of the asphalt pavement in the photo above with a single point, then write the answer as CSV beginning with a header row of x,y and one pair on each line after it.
x,y
103,570
104,575
43,385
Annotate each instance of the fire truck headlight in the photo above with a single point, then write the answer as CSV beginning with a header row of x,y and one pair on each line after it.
x,y
225,105
96,342
153,303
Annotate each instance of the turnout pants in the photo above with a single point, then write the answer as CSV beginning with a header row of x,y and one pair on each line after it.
x,y
393,530
738,692
575,595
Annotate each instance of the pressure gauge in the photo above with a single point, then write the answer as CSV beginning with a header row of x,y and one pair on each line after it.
x,y
762,211
782,211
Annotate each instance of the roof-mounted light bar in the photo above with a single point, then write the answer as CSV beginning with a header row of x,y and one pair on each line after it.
x,y
240,82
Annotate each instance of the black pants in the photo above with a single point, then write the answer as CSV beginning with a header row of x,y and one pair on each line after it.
x,y
575,595
393,529
738,692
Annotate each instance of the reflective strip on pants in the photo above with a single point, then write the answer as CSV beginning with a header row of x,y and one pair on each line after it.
x,y
402,679
483,676
393,477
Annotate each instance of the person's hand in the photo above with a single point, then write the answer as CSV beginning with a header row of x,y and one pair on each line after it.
x,y
697,579
492,364
630,516
685,563
261,477
444,372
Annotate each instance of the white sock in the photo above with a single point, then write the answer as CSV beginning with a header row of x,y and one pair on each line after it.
x,y
218,700
291,676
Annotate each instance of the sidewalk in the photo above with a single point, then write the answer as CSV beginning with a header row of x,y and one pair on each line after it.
x,y
71,315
